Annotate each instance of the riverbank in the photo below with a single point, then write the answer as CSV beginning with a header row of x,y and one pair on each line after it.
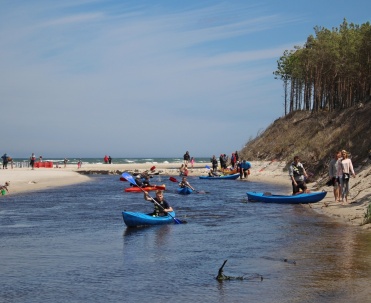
x,y
26,180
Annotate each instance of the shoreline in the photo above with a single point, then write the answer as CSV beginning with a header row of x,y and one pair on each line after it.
x,y
26,180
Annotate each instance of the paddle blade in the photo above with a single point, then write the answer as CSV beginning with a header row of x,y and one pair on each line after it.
x,y
172,179
207,166
128,177
152,168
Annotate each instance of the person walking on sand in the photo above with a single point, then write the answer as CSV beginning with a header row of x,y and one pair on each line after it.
x,y
334,176
298,175
347,170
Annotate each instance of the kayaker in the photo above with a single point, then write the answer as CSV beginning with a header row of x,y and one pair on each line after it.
x,y
159,211
298,175
185,183
183,170
146,182
138,181
213,174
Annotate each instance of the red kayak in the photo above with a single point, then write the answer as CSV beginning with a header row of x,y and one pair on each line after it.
x,y
135,189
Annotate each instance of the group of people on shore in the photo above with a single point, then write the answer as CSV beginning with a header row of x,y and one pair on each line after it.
x,y
225,161
340,170
107,159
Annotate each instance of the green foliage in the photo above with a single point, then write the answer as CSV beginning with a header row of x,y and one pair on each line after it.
x,y
368,215
331,71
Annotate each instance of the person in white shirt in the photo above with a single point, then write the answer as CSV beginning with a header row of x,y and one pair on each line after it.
x,y
347,170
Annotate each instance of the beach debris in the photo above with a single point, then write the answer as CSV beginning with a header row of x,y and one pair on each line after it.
x,y
222,277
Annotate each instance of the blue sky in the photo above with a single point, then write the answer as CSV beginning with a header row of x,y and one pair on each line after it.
x,y
85,78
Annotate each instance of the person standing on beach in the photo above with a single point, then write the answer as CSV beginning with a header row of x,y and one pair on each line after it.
x,y
221,160
333,174
65,162
236,156
32,160
233,160
192,162
347,169
109,160
5,161
298,175
10,159
186,158
214,163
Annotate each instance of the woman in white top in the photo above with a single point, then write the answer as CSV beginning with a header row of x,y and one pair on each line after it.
x,y
347,170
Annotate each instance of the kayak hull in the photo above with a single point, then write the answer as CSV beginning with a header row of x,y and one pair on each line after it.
x,y
134,219
136,189
288,199
184,190
227,177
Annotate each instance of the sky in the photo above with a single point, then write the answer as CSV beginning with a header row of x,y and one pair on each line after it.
x,y
144,78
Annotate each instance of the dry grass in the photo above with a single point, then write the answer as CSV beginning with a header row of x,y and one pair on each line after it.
x,y
314,137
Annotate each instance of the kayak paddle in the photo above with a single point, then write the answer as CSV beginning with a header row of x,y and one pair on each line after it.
x,y
128,177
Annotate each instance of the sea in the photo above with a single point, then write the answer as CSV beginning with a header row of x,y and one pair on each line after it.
x,y
70,244
24,162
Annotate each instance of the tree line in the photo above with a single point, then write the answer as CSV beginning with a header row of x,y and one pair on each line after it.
x,y
331,71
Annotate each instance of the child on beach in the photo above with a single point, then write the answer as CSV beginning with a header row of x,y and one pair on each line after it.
x,y
4,188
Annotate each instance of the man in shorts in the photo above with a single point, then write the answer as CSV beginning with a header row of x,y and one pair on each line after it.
x,y
298,175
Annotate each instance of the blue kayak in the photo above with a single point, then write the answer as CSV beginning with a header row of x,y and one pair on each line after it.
x,y
289,199
184,190
133,219
226,177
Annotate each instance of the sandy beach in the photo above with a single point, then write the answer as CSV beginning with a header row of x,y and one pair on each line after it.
x,y
27,180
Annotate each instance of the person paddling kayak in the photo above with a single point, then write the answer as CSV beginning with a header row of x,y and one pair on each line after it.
x,y
162,208
185,183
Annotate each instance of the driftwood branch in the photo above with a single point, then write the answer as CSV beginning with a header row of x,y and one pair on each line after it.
x,y
222,277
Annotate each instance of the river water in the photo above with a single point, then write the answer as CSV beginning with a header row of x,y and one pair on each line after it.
x,y
71,245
